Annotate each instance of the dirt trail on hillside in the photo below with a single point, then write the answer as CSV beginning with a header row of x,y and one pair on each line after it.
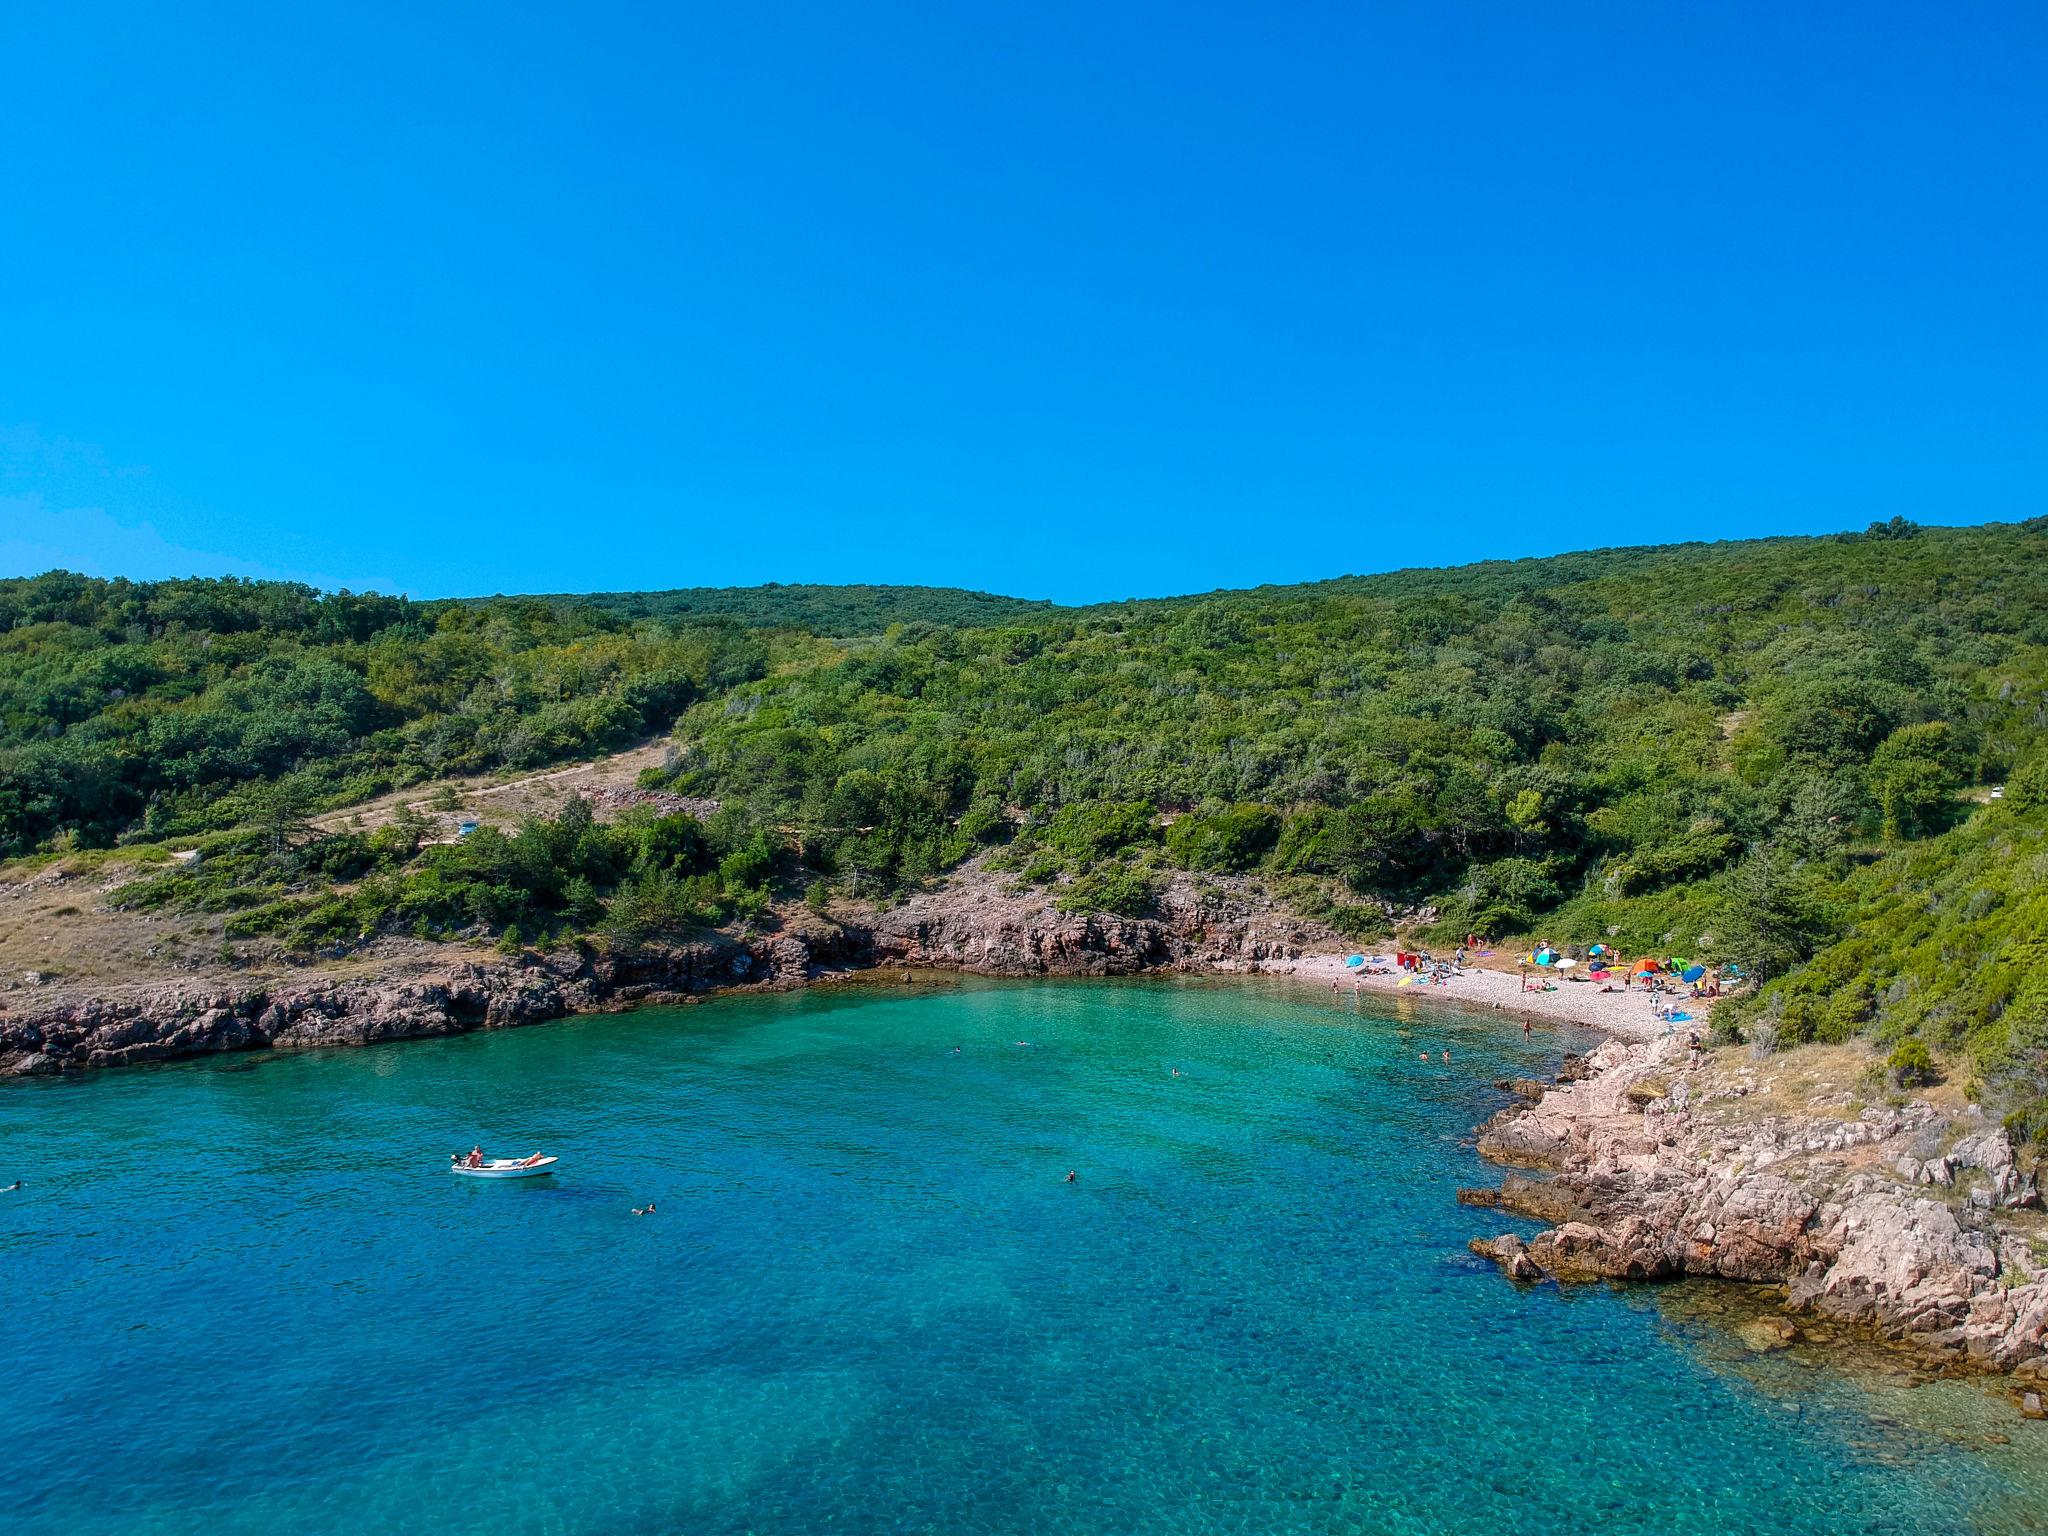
x,y
504,801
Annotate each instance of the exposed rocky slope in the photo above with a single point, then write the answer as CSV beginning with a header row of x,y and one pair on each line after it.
x,y
1916,1221
972,923
982,922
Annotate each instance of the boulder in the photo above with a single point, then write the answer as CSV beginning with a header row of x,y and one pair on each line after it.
x,y
1510,1253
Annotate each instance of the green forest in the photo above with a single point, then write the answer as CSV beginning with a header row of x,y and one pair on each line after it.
x,y
1825,759
837,611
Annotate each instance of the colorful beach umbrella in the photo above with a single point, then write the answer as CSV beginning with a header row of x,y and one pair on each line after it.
x,y
1692,973
1645,967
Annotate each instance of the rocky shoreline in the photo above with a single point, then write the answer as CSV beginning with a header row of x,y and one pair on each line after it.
x,y
977,923
164,1023
1914,1221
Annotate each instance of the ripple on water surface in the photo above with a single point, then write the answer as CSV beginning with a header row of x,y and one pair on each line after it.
x,y
248,1301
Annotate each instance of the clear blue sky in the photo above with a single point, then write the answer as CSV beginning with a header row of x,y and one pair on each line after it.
x,y
1062,300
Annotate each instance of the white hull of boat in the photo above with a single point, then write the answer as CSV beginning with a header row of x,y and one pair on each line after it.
x,y
504,1168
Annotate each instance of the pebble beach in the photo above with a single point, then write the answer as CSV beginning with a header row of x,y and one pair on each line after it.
x,y
1626,1014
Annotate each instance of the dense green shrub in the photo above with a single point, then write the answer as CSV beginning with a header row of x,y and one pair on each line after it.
x,y
1232,839
2027,788
1080,835
1913,779
1911,1064
1504,897
1119,888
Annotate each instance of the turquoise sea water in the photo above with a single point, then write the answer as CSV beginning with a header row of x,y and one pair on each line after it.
x,y
246,1295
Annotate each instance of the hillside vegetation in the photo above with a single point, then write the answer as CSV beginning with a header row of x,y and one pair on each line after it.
x,y
154,708
835,611
1776,753
1578,742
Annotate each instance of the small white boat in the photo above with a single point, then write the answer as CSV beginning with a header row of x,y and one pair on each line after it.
x,y
502,1167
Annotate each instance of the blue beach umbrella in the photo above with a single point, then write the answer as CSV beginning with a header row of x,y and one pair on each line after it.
x,y
1692,973
1354,960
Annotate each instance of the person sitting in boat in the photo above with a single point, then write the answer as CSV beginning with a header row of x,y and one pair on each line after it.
x,y
475,1158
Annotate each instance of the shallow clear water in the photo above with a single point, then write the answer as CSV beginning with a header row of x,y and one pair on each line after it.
x,y
868,1302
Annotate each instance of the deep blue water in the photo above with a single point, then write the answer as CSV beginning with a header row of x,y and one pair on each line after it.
x,y
247,1296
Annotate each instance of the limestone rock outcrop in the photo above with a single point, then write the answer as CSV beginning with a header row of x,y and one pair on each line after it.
x,y
59,1034
983,922
1892,1218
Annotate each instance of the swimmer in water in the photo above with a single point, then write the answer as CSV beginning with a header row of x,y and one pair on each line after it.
x,y
1447,1058
1071,1178
10,1189
644,1210
1176,1071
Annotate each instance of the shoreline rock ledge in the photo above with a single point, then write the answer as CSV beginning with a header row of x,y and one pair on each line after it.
x,y
1914,1222
426,1000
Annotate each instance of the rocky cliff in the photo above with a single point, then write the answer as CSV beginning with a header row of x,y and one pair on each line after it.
x,y
984,923
1914,1220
